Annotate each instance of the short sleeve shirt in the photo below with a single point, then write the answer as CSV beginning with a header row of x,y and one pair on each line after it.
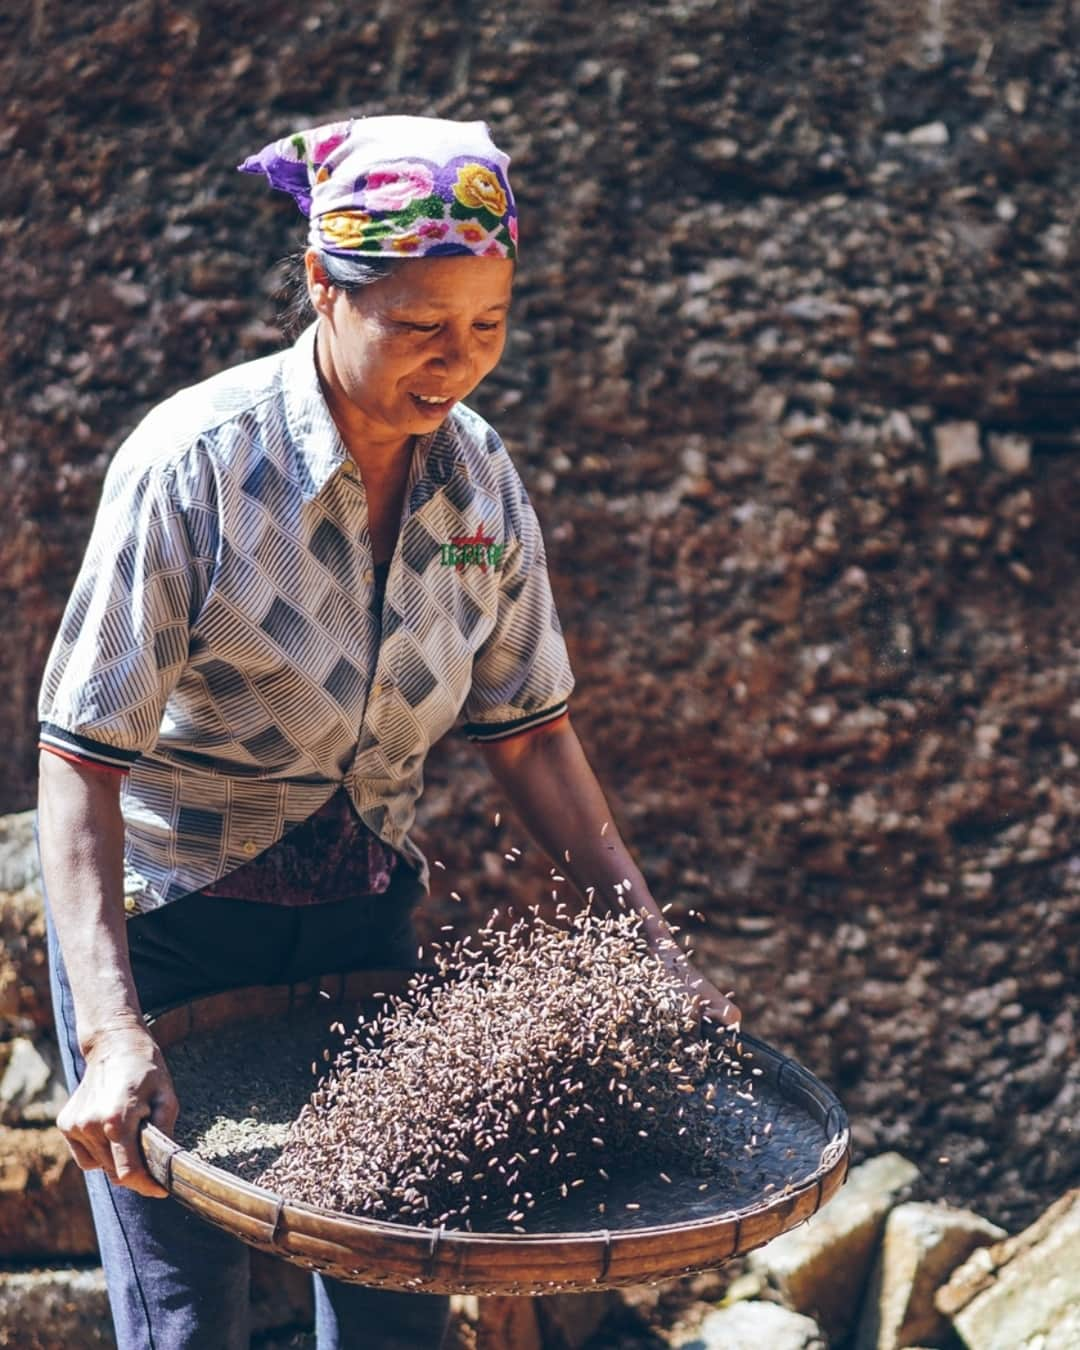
x,y
224,643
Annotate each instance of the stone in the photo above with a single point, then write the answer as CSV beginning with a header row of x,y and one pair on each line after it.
x,y
932,133
922,1245
24,974
957,445
717,150
1016,96
18,852
32,1089
1011,453
745,1288
44,1211
754,1326
57,1309
821,1267
1024,1291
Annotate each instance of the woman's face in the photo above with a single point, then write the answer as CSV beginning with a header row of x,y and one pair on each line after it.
x,y
403,350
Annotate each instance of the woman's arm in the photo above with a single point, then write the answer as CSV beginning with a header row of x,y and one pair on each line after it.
x,y
553,789
81,834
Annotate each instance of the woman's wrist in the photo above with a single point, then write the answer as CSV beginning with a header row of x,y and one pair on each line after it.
x,y
118,1025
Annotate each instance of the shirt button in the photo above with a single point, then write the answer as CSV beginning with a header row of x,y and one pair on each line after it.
x,y
249,847
130,907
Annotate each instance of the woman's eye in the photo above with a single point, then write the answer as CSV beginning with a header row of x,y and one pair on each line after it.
x,y
480,325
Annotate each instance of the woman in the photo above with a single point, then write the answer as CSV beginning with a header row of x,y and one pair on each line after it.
x,y
302,571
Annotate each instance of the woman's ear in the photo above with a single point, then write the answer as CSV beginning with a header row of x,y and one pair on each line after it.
x,y
319,285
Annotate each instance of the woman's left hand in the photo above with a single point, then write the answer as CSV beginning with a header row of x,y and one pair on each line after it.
x,y
713,1006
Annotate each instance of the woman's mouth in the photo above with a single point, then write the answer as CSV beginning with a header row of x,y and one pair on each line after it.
x,y
433,404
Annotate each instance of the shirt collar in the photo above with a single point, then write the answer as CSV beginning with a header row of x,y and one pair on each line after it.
x,y
320,451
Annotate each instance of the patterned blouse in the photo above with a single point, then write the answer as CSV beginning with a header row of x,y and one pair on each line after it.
x,y
331,856
221,644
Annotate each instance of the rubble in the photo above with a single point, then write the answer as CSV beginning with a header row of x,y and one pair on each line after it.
x,y
922,1245
44,1212
821,1267
55,1309
32,1087
750,1326
1022,1291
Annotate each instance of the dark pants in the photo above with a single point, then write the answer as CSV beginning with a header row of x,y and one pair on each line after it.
x,y
175,1282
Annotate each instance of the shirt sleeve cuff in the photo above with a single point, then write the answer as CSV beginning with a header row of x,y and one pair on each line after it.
x,y
83,749
500,731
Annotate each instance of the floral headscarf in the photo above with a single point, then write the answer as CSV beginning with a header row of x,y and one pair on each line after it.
x,y
399,186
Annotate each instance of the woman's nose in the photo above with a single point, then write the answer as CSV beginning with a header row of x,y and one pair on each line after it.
x,y
453,355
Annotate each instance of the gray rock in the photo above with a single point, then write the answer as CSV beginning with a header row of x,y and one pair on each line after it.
x,y
54,1310
717,150
32,1087
821,1268
24,981
816,308
922,1246
1025,1291
1011,453
957,445
755,1326
932,133
18,852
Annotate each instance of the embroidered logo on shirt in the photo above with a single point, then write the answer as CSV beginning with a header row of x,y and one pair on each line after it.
x,y
478,549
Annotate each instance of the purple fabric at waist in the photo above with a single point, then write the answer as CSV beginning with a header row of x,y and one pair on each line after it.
x,y
331,856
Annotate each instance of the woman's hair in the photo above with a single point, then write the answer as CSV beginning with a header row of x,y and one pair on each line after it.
x,y
347,274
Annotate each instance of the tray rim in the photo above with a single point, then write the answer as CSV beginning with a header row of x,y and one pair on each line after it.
x,y
410,1257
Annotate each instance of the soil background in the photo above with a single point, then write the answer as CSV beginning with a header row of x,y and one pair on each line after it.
x,y
794,382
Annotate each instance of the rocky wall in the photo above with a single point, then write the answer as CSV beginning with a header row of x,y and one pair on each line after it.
x,y
794,384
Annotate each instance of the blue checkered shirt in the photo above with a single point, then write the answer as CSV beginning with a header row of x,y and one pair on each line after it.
x,y
221,643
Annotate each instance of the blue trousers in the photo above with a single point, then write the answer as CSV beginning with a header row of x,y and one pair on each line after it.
x,y
175,1282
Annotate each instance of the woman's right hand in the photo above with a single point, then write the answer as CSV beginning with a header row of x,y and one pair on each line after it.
x,y
126,1081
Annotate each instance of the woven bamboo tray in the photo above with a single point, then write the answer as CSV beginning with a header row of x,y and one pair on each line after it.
x,y
395,1256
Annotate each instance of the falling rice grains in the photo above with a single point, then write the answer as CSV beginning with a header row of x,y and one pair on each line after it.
x,y
482,1089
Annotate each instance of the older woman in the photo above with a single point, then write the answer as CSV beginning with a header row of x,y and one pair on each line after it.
x,y
302,573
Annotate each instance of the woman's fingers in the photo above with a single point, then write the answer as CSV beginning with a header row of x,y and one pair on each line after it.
x,y
164,1108
90,1153
125,1083
712,1006
89,1147
128,1160
83,1157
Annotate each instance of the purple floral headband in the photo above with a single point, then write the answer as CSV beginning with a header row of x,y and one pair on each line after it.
x,y
402,186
